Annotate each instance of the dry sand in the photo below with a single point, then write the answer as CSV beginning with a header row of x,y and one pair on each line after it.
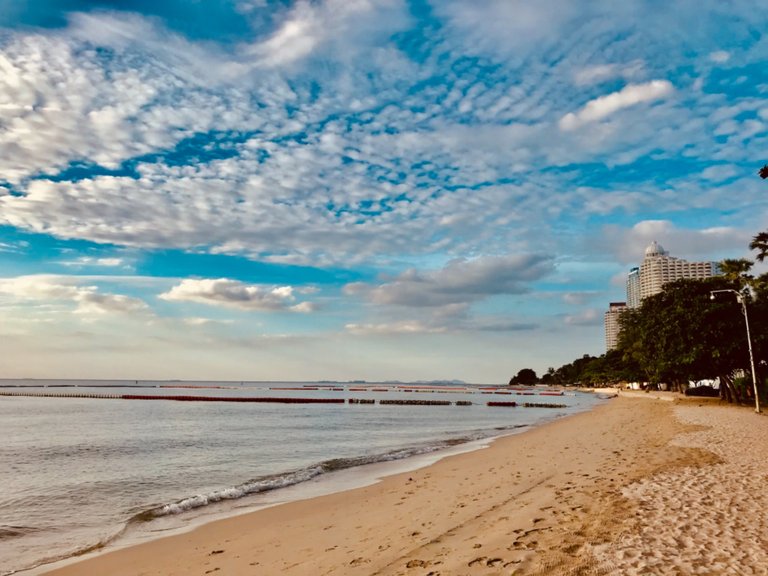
x,y
637,486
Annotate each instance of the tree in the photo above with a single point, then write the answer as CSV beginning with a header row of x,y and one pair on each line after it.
x,y
760,243
682,334
689,331
524,377
736,271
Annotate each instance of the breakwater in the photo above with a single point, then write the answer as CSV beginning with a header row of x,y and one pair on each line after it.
x,y
273,399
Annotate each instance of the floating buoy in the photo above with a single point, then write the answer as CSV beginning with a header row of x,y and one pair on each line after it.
x,y
416,402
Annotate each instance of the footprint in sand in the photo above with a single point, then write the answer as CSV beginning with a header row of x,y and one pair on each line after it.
x,y
485,561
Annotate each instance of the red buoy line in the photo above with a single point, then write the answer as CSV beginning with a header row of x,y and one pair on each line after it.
x,y
178,398
235,399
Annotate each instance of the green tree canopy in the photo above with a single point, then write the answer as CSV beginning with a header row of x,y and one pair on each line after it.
x,y
524,377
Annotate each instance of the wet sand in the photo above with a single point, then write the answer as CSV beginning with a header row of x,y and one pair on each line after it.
x,y
621,489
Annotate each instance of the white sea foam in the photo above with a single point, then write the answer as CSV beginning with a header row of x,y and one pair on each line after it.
x,y
253,487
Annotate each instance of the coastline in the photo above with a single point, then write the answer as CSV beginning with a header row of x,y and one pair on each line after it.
x,y
211,467
511,506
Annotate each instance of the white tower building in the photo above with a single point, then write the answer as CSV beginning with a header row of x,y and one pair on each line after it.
x,y
659,268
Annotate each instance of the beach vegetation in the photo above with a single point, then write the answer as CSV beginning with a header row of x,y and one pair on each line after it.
x,y
682,335
524,377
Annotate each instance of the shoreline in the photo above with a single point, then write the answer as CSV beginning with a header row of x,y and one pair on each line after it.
x,y
250,454
327,483
330,483
511,506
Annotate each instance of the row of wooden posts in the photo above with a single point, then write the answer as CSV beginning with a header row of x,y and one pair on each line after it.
x,y
277,400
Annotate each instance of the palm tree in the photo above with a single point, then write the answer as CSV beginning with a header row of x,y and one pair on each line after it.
x,y
760,243
737,271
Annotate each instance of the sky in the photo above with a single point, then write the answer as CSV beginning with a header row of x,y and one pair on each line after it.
x,y
360,189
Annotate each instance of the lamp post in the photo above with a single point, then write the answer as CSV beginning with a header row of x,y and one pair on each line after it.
x,y
741,300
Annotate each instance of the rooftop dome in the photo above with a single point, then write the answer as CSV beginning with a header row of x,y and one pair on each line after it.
x,y
655,249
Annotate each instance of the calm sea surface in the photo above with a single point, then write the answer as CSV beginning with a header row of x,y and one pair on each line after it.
x,y
80,472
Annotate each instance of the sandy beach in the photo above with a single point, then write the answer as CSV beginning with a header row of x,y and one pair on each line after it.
x,y
637,486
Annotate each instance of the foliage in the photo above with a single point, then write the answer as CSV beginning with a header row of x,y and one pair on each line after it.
x,y
760,243
736,271
681,334
684,334
524,377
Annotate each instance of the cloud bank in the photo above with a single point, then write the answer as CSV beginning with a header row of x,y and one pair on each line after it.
x,y
234,294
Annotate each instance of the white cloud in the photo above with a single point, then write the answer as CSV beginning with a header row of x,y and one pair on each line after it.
x,y
604,106
720,172
197,321
294,40
309,27
13,247
596,73
459,282
577,298
92,302
235,294
704,244
88,299
507,26
720,56
61,104
196,64
588,317
402,327
40,287
305,307
424,164
97,262
346,132
498,324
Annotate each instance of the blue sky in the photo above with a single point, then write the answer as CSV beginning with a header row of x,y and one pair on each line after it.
x,y
360,189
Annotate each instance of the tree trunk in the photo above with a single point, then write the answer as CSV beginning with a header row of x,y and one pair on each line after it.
x,y
726,389
733,393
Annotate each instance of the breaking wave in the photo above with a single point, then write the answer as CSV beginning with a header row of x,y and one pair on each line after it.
x,y
283,480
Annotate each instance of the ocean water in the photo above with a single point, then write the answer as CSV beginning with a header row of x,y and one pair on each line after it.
x,y
79,473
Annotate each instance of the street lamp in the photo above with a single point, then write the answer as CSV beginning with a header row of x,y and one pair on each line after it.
x,y
741,300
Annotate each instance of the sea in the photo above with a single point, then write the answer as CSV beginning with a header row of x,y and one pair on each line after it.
x,y
83,468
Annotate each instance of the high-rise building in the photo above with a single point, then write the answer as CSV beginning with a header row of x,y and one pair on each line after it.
x,y
659,268
633,288
612,324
